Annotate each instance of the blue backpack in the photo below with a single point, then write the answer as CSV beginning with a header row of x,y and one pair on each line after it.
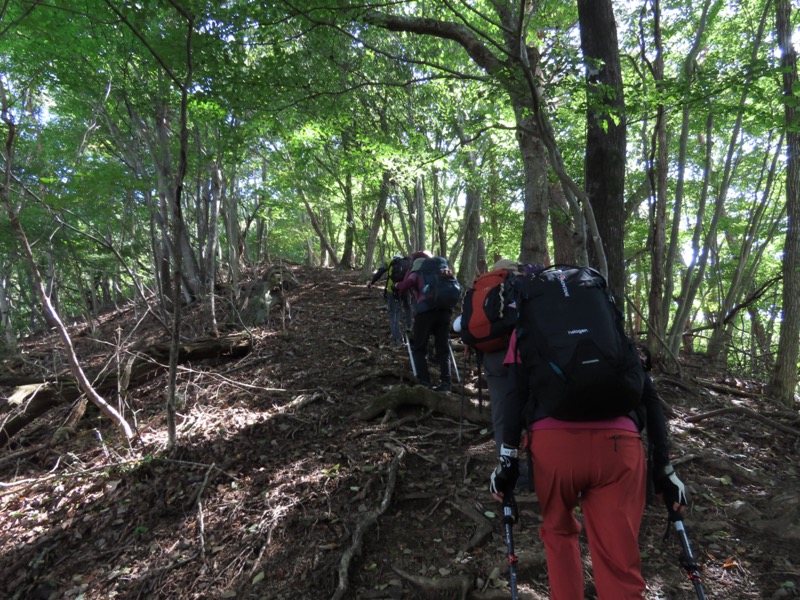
x,y
440,288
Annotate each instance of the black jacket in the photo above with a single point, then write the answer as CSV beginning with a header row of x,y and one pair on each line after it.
x,y
649,416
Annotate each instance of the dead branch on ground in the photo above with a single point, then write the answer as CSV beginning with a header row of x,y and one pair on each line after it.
x,y
743,410
446,404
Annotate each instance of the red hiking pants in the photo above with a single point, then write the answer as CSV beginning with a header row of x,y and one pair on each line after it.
x,y
604,470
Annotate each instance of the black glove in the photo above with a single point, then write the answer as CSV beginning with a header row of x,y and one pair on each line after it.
x,y
504,477
666,482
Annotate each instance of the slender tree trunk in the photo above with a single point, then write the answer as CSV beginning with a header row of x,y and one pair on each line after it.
x,y
717,347
9,339
695,270
325,245
231,211
420,228
49,308
657,174
51,287
262,228
472,230
674,336
377,219
783,383
350,213
212,245
178,234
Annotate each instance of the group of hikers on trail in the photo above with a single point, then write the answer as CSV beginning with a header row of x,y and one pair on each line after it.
x,y
429,290
570,396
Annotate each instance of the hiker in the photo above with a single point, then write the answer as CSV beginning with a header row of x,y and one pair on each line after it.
x,y
398,307
485,324
435,293
598,464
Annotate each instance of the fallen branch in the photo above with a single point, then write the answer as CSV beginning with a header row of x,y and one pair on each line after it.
x,y
365,524
43,395
726,389
349,345
743,410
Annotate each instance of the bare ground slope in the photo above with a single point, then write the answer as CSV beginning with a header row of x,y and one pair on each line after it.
x,y
310,469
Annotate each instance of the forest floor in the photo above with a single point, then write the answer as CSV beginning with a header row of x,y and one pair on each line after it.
x,y
310,468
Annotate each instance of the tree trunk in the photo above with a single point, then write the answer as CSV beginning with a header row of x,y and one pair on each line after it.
x,y
783,383
262,227
468,267
564,233
419,210
657,173
606,134
9,339
377,219
327,249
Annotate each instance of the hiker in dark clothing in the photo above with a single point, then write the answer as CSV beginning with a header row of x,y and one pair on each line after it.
x,y
427,322
599,465
398,306
496,372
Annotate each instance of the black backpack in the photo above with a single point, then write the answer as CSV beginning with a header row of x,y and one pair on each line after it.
x,y
396,271
579,364
440,288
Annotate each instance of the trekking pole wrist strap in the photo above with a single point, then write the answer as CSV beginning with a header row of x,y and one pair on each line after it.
x,y
509,451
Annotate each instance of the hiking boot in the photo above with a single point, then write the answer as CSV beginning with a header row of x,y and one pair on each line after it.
x,y
443,387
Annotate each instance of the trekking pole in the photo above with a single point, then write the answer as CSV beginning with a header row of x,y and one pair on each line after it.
x,y
463,397
510,516
479,362
453,358
410,355
687,559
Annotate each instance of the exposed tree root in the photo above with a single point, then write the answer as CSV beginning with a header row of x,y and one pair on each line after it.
x,y
370,519
484,525
446,404
729,467
460,584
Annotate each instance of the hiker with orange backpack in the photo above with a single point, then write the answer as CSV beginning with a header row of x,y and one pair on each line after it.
x,y
398,307
486,323
583,396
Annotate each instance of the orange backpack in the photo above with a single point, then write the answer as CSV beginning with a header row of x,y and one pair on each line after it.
x,y
489,312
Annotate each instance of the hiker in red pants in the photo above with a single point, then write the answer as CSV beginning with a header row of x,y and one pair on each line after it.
x,y
597,464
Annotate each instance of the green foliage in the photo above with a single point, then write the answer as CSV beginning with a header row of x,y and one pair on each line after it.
x,y
288,103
